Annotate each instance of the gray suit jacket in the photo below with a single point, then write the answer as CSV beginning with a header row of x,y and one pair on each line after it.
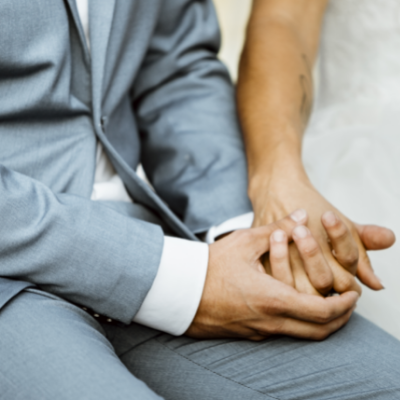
x,y
152,91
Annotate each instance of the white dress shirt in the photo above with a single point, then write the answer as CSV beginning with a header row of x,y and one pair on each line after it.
x,y
174,297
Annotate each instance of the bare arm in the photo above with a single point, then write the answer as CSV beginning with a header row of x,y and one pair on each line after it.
x,y
275,92
275,84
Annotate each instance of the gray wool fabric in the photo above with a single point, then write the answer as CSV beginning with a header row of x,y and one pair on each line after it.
x,y
51,349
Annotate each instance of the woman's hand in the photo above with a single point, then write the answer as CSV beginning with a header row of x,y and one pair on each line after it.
x,y
342,242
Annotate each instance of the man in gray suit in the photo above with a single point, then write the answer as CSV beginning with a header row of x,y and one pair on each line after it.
x,y
90,90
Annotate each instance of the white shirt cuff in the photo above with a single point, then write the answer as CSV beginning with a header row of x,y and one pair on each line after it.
x,y
173,300
243,221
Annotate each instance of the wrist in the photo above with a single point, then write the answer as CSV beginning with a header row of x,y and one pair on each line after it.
x,y
276,171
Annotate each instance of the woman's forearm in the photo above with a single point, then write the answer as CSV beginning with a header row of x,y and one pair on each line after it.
x,y
275,87
275,101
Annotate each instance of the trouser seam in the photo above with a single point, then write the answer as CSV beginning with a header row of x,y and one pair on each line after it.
x,y
216,373
137,345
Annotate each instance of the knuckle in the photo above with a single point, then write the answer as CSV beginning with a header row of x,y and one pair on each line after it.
x,y
274,226
285,224
249,233
344,284
237,235
270,329
323,282
349,259
273,306
341,232
326,316
277,328
278,254
310,250
244,235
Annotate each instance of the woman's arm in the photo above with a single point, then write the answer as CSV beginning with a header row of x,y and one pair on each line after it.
x,y
275,91
275,86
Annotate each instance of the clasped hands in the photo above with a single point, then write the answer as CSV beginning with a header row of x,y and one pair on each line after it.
x,y
258,285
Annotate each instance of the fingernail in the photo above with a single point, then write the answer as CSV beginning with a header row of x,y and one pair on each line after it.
x,y
278,236
329,218
299,216
300,232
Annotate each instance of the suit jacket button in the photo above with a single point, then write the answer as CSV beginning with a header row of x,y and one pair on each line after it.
x,y
103,122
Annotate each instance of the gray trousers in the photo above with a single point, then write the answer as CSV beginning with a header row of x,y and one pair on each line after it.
x,y
51,349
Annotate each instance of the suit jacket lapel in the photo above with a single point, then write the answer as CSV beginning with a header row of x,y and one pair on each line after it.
x,y
75,16
101,13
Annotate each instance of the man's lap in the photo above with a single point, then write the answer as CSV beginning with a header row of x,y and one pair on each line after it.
x,y
51,348
358,362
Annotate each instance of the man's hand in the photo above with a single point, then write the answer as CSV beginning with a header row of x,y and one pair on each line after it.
x,y
278,196
241,300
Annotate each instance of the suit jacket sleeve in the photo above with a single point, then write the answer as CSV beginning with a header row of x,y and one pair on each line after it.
x,y
78,249
192,148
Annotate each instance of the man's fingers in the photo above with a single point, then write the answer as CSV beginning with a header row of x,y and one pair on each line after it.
x,y
279,257
345,248
317,309
317,269
301,281
306,330
260,237
375,237
343,280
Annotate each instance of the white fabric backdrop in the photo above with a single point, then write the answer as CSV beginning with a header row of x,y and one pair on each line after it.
x,y
233,15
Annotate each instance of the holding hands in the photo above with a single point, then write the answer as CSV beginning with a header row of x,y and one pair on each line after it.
x,y
329,253
241,300
245,299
